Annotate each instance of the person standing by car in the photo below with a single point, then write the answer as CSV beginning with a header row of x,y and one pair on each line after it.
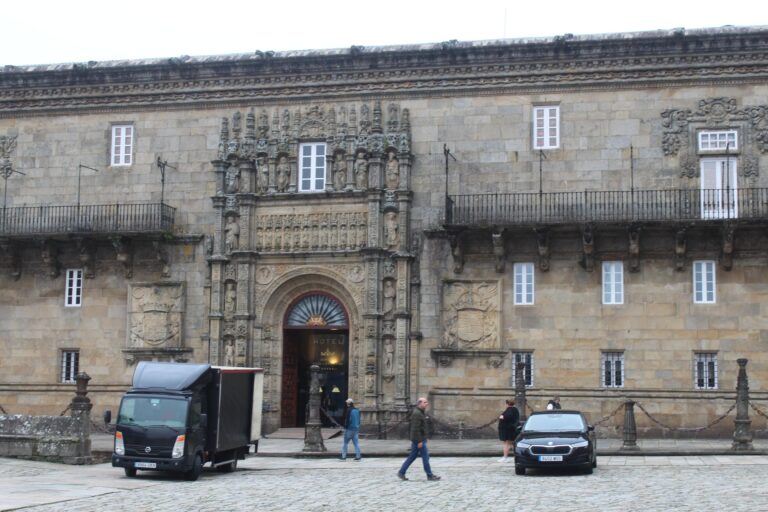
x,y
351,430
554,404
418,441
508,425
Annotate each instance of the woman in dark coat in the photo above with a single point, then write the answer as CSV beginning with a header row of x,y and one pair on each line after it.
x,y
508,428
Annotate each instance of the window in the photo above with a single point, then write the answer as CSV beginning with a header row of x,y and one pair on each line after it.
x,y
527,359
704,282
312,167
523,283
718,140
70,364
122,145
719,188
73,295
613,282
705,370
613,369
546,127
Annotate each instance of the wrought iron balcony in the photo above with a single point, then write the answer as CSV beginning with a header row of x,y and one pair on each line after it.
x,y
87,220
562,208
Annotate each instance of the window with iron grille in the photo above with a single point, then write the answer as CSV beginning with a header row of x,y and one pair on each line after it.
x,y
73,294
705,370
70,365
704,282
613,282
546,127
613,369
312,167
527,359
523,283
122,145
718,140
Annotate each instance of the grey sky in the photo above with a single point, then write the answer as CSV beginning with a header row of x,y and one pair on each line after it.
x,y
52,31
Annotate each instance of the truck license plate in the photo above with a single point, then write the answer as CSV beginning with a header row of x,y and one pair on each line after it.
x,y
550,458
145,465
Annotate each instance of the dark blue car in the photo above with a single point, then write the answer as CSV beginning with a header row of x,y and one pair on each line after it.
x,y
554,439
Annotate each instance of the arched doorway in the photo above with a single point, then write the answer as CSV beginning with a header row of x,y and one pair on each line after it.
x,y
315,331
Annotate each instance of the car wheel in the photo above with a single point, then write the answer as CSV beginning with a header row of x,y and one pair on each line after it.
x,y
519,470
130,472
588,469
228,468
594,462
197,468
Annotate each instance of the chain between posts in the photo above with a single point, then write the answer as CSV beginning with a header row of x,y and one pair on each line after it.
x,y
758,411
609,416
685,429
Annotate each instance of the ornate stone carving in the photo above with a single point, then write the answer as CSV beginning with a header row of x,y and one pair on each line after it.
x,y
332,231
356,274
499,251
675,124
361,172
264,274
457,250
155,315
339,172
388,298
588,247
716,110
389,358
391,231
7,146
680,248
634,248
392,171
230,300
232,180
471,315
282,174
124,253
232,234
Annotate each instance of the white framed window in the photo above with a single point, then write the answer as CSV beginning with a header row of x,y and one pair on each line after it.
x,y
719,188
527,359
613,370
70,365
613,282
122,145
312,167
523,283
546,127
73,292
705,370
718,140
704,282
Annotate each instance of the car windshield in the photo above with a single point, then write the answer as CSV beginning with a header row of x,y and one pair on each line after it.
x,y
554,423
153,412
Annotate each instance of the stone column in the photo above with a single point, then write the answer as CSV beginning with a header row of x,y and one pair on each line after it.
x,y
520,399
80,408
313,436
630,430
742,434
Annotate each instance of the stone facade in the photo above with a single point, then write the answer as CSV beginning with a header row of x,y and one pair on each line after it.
x,y
430,302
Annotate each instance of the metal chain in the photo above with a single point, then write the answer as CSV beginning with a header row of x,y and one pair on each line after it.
x,y
606,418
684,429
327,415
3,410
758,411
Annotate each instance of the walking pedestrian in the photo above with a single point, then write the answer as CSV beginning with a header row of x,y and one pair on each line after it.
x,y
351,430
554,404
508,428
418,441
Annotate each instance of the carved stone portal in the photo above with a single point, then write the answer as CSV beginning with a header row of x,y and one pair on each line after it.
x,y
471,315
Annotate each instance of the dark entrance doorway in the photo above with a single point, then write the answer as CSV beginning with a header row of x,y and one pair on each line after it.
x,y
315,332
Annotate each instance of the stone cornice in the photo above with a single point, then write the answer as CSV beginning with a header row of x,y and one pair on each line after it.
x,y
625,61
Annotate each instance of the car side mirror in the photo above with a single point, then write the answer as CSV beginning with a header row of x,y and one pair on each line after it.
x,y
204,421
590,428
107,417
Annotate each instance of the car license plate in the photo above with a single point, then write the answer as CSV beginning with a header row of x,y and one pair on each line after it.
x,y
145,465
550,458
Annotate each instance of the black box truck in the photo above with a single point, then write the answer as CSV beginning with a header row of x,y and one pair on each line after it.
x,y
178,417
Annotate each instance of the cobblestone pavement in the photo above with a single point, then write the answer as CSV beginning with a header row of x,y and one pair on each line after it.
x,y
469,483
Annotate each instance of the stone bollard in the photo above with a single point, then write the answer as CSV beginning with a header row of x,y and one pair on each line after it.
x,y
520,400
313,435
630,430
80,409
742,433
460,433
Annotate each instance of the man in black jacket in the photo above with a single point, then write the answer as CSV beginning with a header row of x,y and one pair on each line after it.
x,y
418,441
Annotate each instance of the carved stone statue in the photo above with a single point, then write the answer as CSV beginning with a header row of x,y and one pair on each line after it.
x,y
389,293
339,172
229,300
232,234
392,171
283,174
232,180
229,353
361,172
389,356
263,170
391,235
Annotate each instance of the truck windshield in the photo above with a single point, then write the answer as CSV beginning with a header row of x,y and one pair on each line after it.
x,y
153,412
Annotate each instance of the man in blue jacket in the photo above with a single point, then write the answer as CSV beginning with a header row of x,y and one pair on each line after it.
x,y
351,430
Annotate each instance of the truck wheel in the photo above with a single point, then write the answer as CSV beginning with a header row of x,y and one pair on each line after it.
x,y
228,468
130,472
197,468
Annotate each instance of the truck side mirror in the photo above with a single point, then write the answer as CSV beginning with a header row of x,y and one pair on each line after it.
x,y
107,417
204,421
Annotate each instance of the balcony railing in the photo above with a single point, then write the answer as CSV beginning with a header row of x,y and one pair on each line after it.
x,y
87,219
606,206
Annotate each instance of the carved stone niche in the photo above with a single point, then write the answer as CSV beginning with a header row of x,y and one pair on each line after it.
x,y
155,322
472,320
445,356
